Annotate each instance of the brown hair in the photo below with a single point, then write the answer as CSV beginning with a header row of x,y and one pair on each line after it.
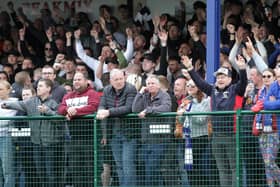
x,y
21,77
29,88
199,95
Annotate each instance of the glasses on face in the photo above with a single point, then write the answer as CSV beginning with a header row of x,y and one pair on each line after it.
x,y
47,73
267,76
48,49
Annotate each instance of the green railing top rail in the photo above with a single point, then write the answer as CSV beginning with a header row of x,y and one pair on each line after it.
x,y
134,115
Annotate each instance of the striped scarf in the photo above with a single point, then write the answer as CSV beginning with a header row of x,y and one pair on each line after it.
x,y
188,141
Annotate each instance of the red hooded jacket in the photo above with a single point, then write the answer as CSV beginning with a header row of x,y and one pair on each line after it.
x,y
85,102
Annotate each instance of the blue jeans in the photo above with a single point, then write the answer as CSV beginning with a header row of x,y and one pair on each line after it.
x,y
124,152
48,162
153,155
7,160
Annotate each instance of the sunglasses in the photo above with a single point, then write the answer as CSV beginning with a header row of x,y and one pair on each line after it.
x,y
191,86
267,76
49,49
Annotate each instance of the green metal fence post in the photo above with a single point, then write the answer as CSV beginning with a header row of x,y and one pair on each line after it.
x,y
95,167
238,122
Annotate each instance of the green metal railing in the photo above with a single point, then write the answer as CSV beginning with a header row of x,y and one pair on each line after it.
x,y
243,133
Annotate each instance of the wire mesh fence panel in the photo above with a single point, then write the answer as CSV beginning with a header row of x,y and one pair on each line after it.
x,y
256,152
34,153
206,150
145,152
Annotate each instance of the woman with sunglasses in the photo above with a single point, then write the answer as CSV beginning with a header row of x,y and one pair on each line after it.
x,y
197,101
265,127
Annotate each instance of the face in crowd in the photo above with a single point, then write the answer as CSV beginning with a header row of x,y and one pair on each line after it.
x,y
80,82
5,89
117,79
192,88
153,85
222,81
268,77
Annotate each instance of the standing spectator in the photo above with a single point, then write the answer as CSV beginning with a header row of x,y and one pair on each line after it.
x,y
174,67
270,102
152,100
46,137
117,101
23,156
22,79
91,62
265,125
224,96
4,76
252,158
57,91
197,102
180,92
7,178
82,101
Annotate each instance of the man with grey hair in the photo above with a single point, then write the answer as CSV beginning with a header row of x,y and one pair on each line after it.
x,y
117,101
155,134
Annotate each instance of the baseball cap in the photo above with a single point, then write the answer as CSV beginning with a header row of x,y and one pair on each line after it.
x,y
223,70
13,52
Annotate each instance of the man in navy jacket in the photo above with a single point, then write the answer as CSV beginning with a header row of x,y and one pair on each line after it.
x,y
225,96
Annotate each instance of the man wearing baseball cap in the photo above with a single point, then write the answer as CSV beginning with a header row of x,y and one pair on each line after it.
x,y
225,96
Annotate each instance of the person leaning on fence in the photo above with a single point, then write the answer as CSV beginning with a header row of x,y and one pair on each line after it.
x,y
46,135
154,132
82,101
119,133
224,96
264,126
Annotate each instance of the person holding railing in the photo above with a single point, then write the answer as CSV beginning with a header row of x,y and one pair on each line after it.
x,y
46,135
116,131
224,96
82,101
155,134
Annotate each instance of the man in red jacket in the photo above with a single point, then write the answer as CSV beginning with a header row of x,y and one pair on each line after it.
x,y
82,101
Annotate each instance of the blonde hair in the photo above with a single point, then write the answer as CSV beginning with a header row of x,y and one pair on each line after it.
x,y
6,84
164,83
135,80
21,77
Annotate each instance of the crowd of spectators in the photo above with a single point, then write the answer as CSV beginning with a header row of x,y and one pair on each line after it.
x,y
164,58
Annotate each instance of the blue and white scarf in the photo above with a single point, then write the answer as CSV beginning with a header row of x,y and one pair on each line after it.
x,y
188,141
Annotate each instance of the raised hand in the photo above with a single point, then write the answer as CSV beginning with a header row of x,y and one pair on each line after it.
x,y
163,36
129,32
49,34
21,33
68,35
240,62
249,46
94,33
186,61
77,34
